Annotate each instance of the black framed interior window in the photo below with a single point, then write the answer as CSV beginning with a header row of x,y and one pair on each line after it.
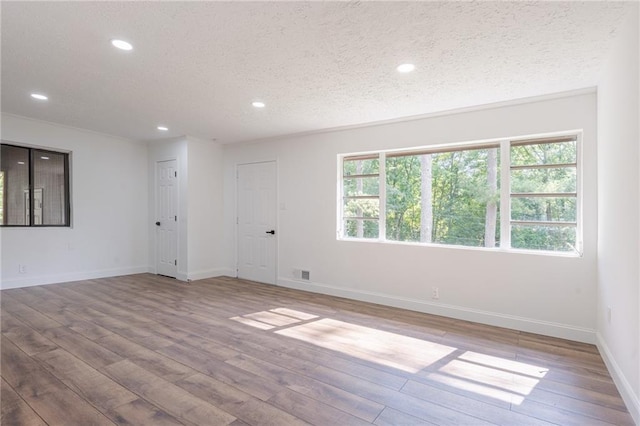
x,y
34,187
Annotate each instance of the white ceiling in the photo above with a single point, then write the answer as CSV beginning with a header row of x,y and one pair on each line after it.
x,y
197,66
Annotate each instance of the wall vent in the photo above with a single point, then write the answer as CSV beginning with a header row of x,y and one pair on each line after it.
x,y
301,274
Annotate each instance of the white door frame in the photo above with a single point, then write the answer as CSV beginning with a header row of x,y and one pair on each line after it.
x,y
276,215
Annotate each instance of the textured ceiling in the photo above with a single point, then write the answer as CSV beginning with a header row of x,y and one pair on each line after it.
x,y
197,66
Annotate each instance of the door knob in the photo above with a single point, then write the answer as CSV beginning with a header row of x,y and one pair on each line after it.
x,y
272,232
157,223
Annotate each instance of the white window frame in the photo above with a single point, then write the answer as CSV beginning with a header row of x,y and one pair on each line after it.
x,y
505,191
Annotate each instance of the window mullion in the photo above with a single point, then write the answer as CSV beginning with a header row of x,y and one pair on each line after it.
x,y
382,215
31,184
544,166
505,194
544,194
579,195
67,192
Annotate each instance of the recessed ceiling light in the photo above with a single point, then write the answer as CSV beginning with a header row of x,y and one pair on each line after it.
x,y
121,44
39,96
404,68
258,104
163,128
20,162
44,158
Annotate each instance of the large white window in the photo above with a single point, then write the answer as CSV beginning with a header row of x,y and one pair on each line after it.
x,y
511,194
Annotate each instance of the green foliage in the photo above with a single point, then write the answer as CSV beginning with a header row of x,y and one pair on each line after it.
x,y
552,238
544,153
365,166
403,198
369,228
362,186
459,197
556,209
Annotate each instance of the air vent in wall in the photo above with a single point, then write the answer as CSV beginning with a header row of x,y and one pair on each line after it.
x,y
304,275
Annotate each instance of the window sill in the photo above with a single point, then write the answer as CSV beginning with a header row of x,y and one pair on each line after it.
x,y
470,248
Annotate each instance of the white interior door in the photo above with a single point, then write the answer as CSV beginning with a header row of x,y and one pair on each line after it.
x,y
257,222
167,218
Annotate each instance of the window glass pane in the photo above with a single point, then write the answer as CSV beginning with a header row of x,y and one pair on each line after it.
x,y
547,209
357,209
552,238
403,175
361,186
369,208
361,167
543,180
15,165
545,153
358,228
446,197
49,194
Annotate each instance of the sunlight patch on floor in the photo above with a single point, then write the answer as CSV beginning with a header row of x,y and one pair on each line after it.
x,y
253,323
382,347
272,318
278,317
293,313
506,380
503,379
504,364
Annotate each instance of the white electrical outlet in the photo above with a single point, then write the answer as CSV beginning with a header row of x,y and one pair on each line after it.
x,y
22,269
435,293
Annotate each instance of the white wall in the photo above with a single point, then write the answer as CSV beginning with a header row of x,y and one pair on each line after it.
x,y
205,235
200,249
109,196
547,294
618,216
113,208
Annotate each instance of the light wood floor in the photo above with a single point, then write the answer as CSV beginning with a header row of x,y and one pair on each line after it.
x,y
149,350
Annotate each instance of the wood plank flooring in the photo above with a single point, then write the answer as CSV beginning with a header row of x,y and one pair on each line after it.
x,y
149,350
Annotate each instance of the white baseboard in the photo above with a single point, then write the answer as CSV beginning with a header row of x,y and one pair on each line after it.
x,y
624,387
530,325
105,273
68,277
211,273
